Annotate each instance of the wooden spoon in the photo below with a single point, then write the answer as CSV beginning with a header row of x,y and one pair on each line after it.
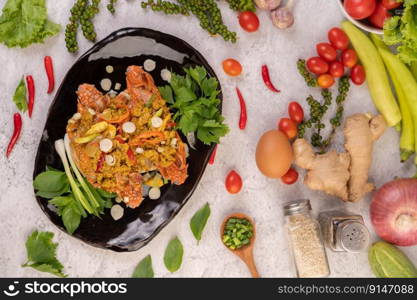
x,y
246,252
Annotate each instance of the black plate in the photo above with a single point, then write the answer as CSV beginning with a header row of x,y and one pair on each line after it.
x,y
120,49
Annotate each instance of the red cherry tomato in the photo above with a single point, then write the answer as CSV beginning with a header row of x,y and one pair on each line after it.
x,y
232,67
317,65
326,51
359,9
290,177
325,81
391,4
249,21
296,112
338,38
336,69
379,16
349,58
233,182
357,75
289,127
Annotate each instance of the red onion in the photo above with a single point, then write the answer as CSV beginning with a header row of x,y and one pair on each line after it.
x,y
394,212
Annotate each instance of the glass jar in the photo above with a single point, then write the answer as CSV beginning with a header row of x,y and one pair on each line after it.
x,y
305,240
344,231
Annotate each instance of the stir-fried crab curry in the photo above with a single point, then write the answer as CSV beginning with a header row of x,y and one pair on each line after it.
x,y
122,142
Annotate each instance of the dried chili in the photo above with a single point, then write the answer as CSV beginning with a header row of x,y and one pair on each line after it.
x,y
49,68
17,120
30,84
100,162
267,79
243,114
131,155
213,155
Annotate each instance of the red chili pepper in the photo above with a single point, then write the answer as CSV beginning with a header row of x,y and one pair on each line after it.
x,y
120,139
267,79
100,162
213,155
17,120
131,155
49,68
30,84
243,114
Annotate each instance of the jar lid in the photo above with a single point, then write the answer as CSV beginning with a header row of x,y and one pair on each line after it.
x,y
353,236
296,207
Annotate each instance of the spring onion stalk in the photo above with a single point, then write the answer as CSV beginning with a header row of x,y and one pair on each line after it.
x,y
80,178
78,194
407,140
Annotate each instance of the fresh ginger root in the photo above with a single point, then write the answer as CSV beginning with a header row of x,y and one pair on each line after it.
x,y
361,131
327,172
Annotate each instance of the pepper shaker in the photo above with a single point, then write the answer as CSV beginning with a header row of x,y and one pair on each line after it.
x,y
343,231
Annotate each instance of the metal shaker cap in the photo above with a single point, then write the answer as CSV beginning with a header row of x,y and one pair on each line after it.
x,y
296,207
352,236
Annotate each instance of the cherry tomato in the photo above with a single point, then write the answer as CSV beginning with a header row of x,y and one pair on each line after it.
x,y
232,67
325,81
326,51
290,177
296,112
336,69
317,65
357,74
249,21
338,38
379,16
233,182
349,58
289,127
391,4
360,9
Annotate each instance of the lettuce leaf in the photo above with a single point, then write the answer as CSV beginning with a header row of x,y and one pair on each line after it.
x,y
24,22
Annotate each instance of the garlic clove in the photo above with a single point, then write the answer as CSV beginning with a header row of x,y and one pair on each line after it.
x,y
106,145
149,65
117,212
154,193
128,127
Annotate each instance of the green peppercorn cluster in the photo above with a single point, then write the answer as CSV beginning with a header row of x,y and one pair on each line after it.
x,y
318,110
110,6
206,11
302,69
242,5
82,14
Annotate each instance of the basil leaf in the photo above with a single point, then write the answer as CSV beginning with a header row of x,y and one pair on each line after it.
x,y
144,268
19,97
173,255
51,184
71,217
199,221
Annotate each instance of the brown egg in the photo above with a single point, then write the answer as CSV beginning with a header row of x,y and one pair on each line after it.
x,y
274,154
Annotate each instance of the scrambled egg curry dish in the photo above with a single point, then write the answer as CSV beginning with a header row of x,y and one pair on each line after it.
x,y
120,142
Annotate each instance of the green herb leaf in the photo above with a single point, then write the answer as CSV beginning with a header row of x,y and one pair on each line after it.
x,y
41,253
199,221
70,211
105,194
166,93
24,22
19,97
173,255
195,100
144,268
50,184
